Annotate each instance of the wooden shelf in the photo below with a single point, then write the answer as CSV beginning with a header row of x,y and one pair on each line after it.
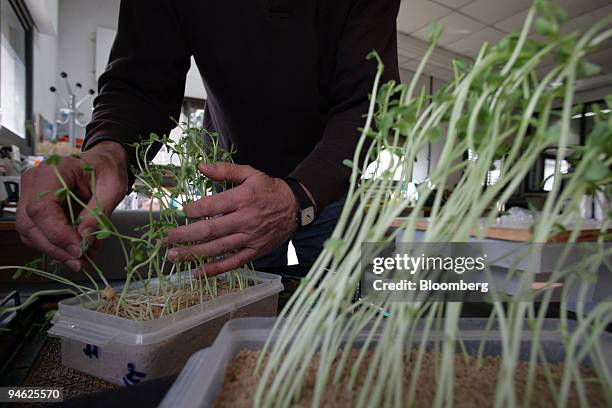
x,y
507,233
7,225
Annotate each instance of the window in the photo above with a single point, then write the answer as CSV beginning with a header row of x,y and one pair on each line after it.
x,y
15,50
549,171
194,111
493,174
192,114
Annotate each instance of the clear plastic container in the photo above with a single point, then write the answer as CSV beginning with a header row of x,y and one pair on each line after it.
x,y
127,352
200,382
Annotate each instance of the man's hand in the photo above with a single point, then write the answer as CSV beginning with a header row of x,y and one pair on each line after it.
x,y
42,221
251,219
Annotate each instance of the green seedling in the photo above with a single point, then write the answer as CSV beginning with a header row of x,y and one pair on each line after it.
x,y
145,256
498,107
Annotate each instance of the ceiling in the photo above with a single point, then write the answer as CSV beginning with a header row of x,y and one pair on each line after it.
x,y
469,23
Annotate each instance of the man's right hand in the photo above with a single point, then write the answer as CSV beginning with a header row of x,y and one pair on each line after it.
x,y
42,221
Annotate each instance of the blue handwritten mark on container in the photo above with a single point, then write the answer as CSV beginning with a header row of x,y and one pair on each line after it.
x,y
91,351
132,376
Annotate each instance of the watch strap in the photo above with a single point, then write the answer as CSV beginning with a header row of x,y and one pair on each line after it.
x,y
301,196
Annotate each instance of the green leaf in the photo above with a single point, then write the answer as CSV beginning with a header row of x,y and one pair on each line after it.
x,y
601,138
435,31
564,51
559,227
87,168
49,315
333,244
84,245
139,256
596,171
459,64
61,193
542,6
35,263
18,273
103,234
42,194
502,150
587,68
546,27
433,134
386,121
95,211
104,223
553,133
53,160
348,163
507,43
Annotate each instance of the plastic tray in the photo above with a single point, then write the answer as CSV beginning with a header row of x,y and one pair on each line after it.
x,y
201,380
126,352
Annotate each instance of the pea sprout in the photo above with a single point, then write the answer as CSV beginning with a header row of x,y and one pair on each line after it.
x,y
153,287
499,107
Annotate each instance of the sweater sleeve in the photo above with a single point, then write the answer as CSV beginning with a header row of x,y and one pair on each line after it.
x,y
370,26
144,82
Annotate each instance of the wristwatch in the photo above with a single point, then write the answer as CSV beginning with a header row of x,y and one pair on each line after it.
x,y
306,210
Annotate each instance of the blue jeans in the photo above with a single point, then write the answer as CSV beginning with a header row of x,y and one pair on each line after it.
x,y
308,241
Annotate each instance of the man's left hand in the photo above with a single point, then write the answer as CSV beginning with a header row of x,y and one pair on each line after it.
x,y
250,220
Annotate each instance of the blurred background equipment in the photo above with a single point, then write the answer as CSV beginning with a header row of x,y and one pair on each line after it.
x,y
69,115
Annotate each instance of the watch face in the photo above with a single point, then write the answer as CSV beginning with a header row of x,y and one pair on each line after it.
x,y
307,215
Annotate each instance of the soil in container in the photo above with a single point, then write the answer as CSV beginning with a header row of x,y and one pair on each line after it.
x,y
140,305
474,387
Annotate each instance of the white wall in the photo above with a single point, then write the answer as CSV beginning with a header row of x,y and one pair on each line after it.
x,y
194,87
77,24
44,73
73,50
44,56
44,13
